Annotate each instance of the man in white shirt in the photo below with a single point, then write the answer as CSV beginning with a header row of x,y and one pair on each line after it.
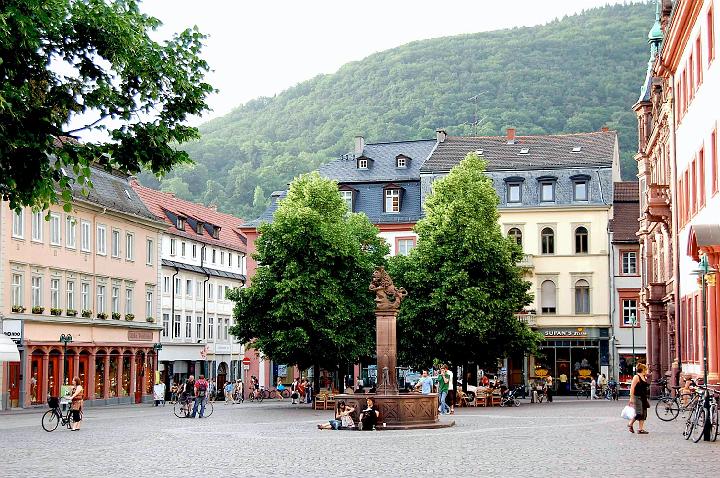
x,y
451,392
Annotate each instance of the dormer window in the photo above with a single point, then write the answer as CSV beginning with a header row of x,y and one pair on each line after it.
x,y
547,188
362,163
392,198
199,227
513,189
216,232
180,223
580,187
401,161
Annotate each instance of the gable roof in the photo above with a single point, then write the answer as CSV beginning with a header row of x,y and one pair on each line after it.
x,y
626,211
165,206
596,149
383,168
267,215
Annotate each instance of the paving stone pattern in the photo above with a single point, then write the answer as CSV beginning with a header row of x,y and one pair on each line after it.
x,y
564,438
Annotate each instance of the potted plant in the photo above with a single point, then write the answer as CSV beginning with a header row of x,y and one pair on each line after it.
x,y
55,311
38,310
102,315
18,308
129,317
150,319
86,313
71,313
116,315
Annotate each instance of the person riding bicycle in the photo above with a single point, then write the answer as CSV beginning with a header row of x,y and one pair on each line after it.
x,y
200,392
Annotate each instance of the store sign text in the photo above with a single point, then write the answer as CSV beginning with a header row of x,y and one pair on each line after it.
x,y
579,332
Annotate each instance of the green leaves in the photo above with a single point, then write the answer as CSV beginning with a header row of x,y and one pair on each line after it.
x,y
92,60
309,301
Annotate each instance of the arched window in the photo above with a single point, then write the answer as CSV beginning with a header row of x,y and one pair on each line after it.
x,y
581,240
582,297
547,297
516,234
548,241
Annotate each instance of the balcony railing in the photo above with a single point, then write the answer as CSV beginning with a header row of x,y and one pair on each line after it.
x,y
526,262
529,319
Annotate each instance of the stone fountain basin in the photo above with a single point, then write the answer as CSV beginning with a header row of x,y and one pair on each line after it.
x,y
404,411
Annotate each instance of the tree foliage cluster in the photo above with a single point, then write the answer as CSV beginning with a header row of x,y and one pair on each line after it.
x,y
309,302
574,74
464,287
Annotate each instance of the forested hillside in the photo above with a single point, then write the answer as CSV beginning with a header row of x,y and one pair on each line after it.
x,y
573,74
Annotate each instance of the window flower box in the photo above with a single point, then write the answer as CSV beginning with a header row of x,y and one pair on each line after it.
x,y
54,311
129,317
150,320
18,309
86,313
71,313
116,315
38,310
102,315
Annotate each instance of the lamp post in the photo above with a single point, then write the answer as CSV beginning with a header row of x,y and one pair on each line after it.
x,y
633,323
702,272
65,339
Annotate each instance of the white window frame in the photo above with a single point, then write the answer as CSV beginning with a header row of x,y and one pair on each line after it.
x,y
70,232
178,286
220,290
347,196
129,246
166,325
176,326
362,163
630,310
194,251
101,236
85,299
148,303
18,225
17,282
188,326
198,327
166,285
211,291
409,245
85,236
115,299
182,248
391,195
198,289
129,300
173,246
214,256
189,287
149,246
36,287
55,229
115,243
54,292
37,226
100,298
625,258
401,163
211,328
70,295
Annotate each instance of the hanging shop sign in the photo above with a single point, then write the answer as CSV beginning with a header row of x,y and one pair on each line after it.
x,y
13,329
576,332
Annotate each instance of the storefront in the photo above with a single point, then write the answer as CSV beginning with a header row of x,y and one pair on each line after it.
x,y
572,356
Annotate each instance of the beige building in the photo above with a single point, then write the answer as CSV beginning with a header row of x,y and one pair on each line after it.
x,y
92,275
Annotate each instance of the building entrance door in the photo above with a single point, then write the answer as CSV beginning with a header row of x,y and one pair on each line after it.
x,y
139,377
14,376
83,367
36,374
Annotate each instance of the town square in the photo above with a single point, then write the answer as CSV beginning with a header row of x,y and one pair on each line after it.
x,y
359,238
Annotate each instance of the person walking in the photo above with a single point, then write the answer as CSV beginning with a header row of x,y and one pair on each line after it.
x,y
425,383
549,383
451,390
294,394
228,392
639,393
280,388
159,393
212,391
443,379
201,388
76,404
593,388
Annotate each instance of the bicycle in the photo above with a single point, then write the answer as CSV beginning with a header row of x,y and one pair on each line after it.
x,y
184,406
54,417
584,392
668,408
272,394
695,423
256,395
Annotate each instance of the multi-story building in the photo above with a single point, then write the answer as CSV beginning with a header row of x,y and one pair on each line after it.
x,y
90,274
555,200
202,257
627,343
678,174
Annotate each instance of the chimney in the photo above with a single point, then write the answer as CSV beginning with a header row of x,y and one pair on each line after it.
x,y
441,134
604,129
511,135
359,145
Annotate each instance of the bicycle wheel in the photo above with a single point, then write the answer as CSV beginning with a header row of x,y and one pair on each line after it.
x,y
699,425
667,409
265,394
179,410
70,419
714,422
516,402
286,393
261,396
50,420
271,394
208,409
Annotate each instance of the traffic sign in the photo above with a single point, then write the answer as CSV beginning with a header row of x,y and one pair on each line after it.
x,y
246,361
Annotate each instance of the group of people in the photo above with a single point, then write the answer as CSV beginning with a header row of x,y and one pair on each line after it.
x,y
443,380
368,418
197,391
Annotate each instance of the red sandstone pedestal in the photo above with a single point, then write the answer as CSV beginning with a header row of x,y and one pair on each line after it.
x,y
403,411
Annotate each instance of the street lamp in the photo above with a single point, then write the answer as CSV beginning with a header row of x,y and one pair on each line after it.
x,y
65,339
702,272
633,323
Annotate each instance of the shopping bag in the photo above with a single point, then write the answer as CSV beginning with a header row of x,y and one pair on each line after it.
x,y
628,412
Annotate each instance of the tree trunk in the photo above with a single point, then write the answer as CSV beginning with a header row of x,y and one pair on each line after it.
x,y
316,378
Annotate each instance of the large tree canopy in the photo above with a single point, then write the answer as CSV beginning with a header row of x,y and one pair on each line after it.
x,y
463,284
309,302
92,64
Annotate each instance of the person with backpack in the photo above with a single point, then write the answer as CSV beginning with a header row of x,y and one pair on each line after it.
x,y
201,389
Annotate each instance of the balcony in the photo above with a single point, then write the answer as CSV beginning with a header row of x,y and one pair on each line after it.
x,y
658,203
529,319
654,292
526,262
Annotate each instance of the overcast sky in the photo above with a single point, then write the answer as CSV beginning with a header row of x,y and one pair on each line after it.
x,y
260,48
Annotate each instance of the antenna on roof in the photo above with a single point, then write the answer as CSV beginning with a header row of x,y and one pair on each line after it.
x,y
476,122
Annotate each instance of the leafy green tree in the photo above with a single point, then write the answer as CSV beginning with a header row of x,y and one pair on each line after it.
x,y
70,66
309,302
463,284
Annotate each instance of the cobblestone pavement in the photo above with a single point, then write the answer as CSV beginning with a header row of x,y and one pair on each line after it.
x,y
564,438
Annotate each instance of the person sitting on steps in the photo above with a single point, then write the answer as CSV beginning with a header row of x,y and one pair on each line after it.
x,y
369,416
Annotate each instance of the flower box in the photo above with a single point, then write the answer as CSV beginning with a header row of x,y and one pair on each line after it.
x,y
38,310
71,313
150,319
116,315
86,313
129,317
18,308
54,311
102,315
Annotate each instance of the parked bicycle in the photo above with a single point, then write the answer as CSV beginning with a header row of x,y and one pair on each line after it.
x,y
257,395
695,423
54,417
184,406
673,403
584,391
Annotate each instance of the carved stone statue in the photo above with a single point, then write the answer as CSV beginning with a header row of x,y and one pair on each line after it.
x,y
387,297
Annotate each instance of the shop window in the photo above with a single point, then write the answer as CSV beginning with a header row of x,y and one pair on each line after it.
x,y
582,297
548,299
548,241
516,235
581,240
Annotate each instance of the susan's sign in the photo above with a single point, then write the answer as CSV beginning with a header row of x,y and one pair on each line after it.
x,y
577,332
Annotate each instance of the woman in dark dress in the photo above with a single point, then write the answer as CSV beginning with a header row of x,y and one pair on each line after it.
x,y
369,416
639,393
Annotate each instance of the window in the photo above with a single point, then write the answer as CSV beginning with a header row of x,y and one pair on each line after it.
x,y
173,247
226,328
220,294
129,246
219,329
362,163
211,292
194,251
70,232
36,284
401,162
55,293
198,327
629,262
516,235
37,227
182,248
392,200
547,191
176,326
70,295
710,35
404,246
188,287
581,240
580,191
17,289
214,256
55,238
199,227
347,197
101,240
701,178
85,295
166,325
714,164
203,251
630,313
693,187
198,290
178,286
128,301
698,61
188,326
115,300
229,259
85,236
166,285
582,297
216,232
180,223
547,237
514,193
18,227
211,327
115,243
148,303
101,299
222,257
149,246
547,297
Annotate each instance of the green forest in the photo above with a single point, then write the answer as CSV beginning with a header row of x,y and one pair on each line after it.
x,y
577,73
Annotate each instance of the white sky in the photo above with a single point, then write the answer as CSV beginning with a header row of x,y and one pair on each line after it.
x,y
260,48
